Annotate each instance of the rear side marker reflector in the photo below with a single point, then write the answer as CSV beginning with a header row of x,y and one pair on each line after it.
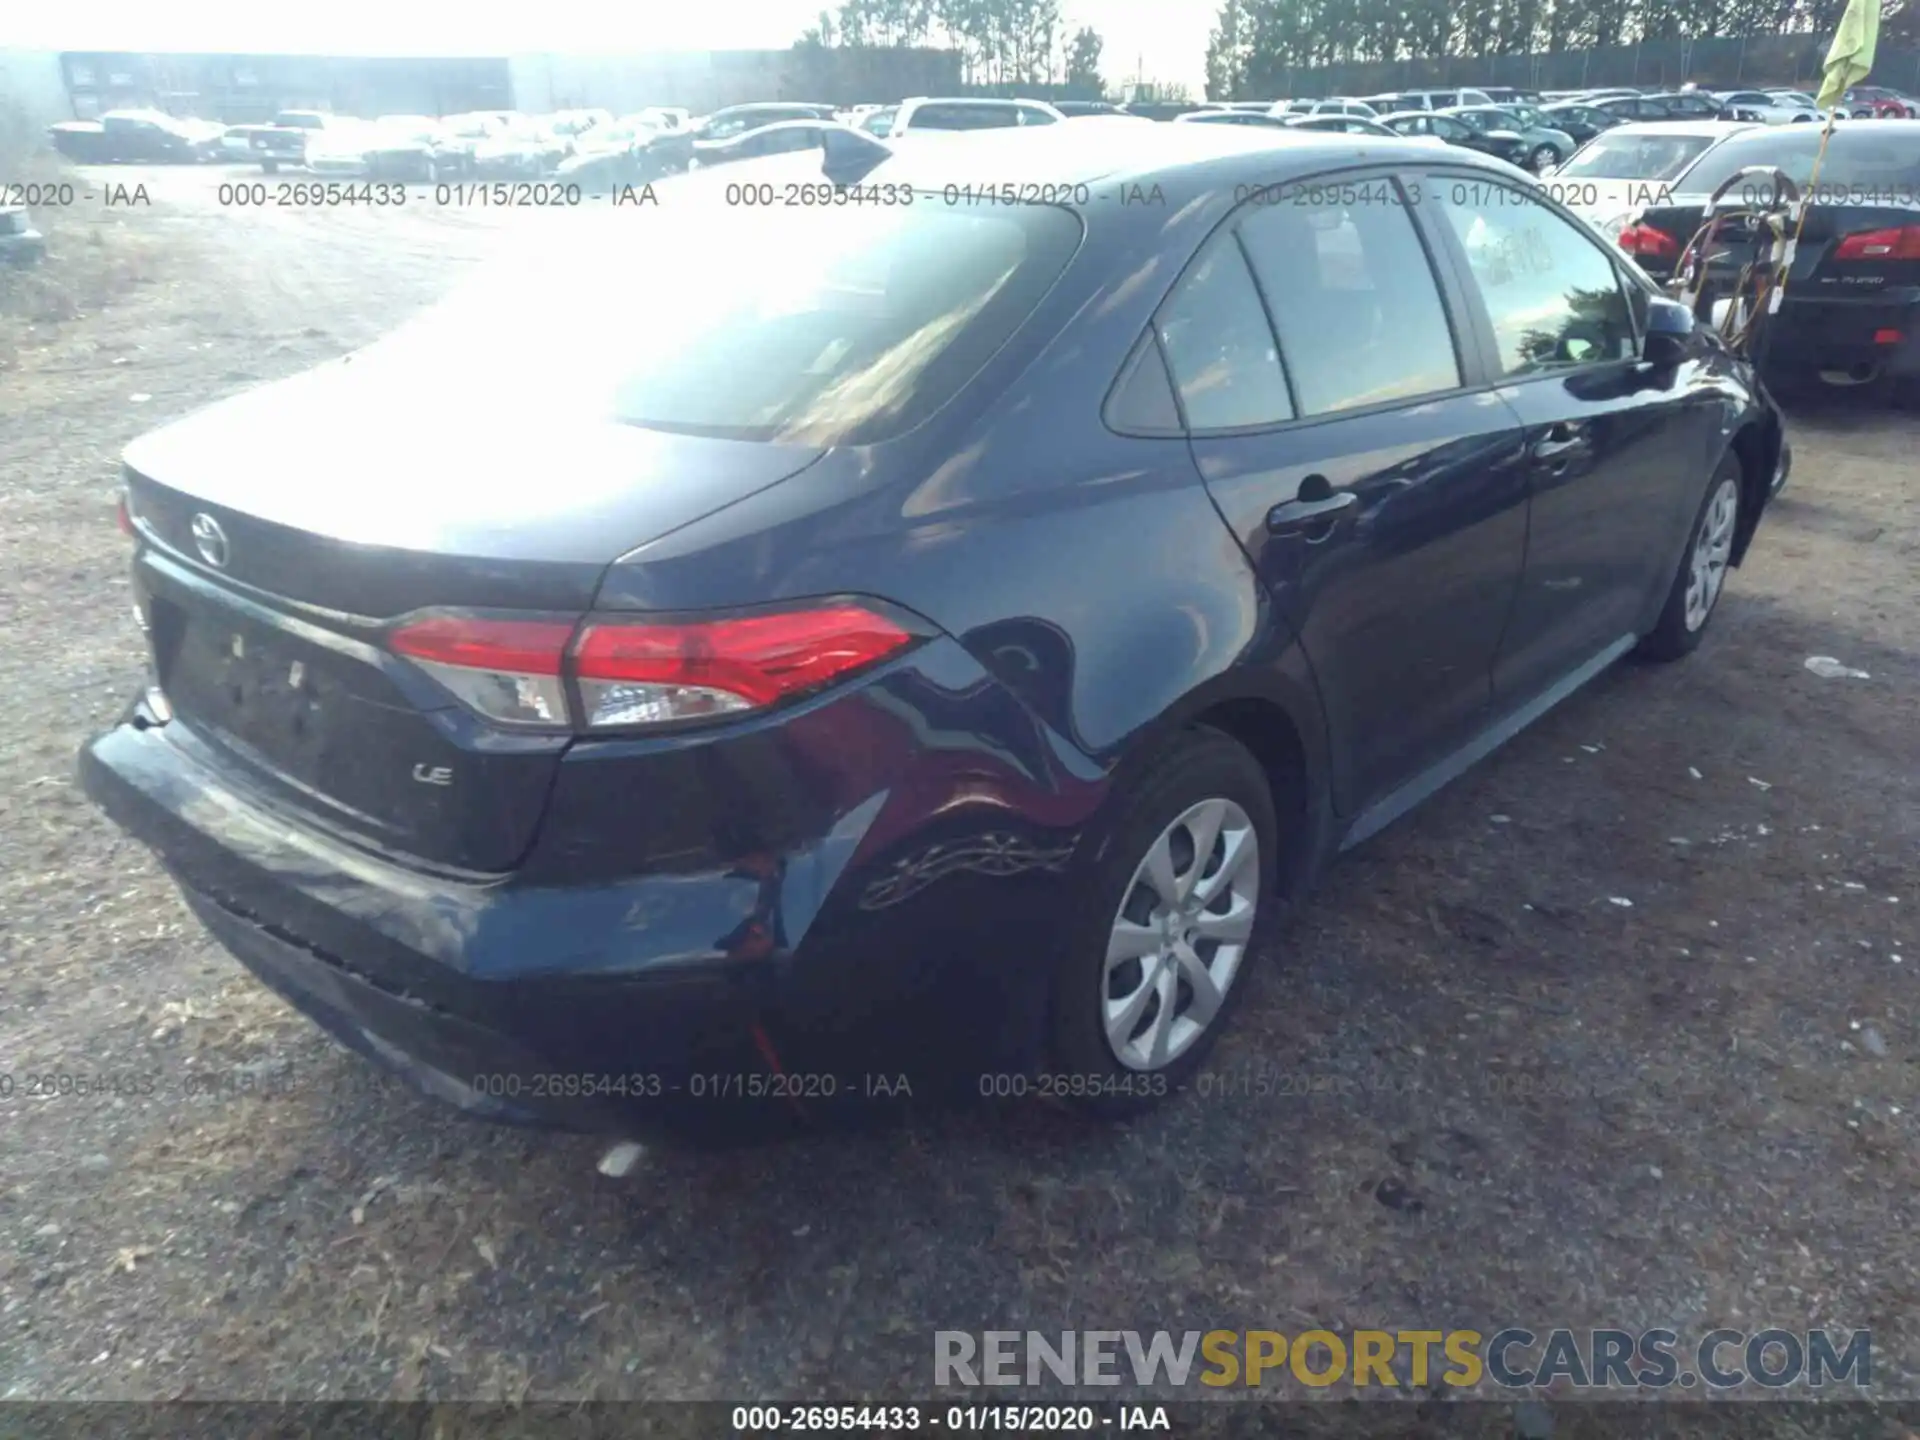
x,y
632,673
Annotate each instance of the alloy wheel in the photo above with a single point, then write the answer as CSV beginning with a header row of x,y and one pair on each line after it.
x,y
1180,935
1712,548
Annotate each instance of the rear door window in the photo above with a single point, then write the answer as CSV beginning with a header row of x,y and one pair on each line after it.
x,y
1352,295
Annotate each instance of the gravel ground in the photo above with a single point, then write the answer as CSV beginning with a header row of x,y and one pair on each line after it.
x,y
1474,1085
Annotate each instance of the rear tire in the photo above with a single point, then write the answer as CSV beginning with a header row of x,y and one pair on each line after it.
x,y
1701,579
1169,911
1541,157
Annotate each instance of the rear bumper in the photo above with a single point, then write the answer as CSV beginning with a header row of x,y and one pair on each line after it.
x,y
1880,335
768,981
477,993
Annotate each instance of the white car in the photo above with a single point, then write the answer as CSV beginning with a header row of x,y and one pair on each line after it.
x,y
1332,105
340,150
1622,171
1774,107
930,113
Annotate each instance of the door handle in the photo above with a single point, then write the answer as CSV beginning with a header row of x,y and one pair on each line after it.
x,y
1295,514
1560,441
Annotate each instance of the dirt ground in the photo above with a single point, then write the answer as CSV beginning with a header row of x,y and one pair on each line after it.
x,y
1496,1091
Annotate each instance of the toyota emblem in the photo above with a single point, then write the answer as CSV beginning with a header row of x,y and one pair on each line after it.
x,y
210,540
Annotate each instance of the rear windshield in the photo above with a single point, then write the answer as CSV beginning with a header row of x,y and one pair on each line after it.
x,y
1882,161
1636,157
820,325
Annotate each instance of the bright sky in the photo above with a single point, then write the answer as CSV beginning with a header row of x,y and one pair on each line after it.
x,y
1170,36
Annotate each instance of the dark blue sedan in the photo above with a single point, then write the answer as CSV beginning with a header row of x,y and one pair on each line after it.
x,y
816,642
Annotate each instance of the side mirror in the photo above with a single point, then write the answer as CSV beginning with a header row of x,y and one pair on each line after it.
x,y
1670,327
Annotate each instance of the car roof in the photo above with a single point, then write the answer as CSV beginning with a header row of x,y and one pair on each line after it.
x,y
771,105
1113,150
974,100
1683,127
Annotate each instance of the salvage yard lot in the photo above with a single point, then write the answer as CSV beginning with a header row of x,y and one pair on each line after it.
x,y
1621,1030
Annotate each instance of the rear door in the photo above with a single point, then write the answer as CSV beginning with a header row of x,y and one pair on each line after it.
x,y
1615,458
1344,435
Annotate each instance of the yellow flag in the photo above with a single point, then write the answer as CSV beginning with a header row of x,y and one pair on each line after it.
x,y
1852,54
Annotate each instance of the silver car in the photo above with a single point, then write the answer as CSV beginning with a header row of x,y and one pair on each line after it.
x,y
1543,144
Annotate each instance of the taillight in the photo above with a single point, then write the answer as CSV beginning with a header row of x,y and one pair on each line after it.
x,y
508,670
1899,243
647,673
632,672
1648,241
123,514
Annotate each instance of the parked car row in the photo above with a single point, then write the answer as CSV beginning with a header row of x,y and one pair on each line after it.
x,y
139,137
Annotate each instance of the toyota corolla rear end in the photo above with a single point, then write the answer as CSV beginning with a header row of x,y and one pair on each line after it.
x,y
435,754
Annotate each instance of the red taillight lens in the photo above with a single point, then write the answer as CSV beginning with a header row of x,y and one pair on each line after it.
x,y
1648,241
634,672
123,514
1899,243
508,670
650,673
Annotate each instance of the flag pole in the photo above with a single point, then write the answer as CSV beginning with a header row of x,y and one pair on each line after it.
x,y
1849,61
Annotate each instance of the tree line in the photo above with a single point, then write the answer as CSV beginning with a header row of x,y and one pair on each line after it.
x,y
1255,44
1000,42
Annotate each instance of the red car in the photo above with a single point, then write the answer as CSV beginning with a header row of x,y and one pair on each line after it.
x,y
1876,102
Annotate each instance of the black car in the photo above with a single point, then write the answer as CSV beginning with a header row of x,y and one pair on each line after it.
x,y
1236,117
138,137
779,138
1678,105
1506,145
1581,121
908,648
1851,306
625,153
1073,108
706,141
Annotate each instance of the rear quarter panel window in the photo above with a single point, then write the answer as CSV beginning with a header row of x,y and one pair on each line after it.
x,y
1219,346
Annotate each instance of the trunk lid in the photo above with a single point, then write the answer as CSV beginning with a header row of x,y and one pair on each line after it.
x,y
287,528
1821,268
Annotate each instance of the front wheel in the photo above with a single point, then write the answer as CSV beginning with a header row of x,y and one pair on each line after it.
x,y
1168,914
1702,576
1541,157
